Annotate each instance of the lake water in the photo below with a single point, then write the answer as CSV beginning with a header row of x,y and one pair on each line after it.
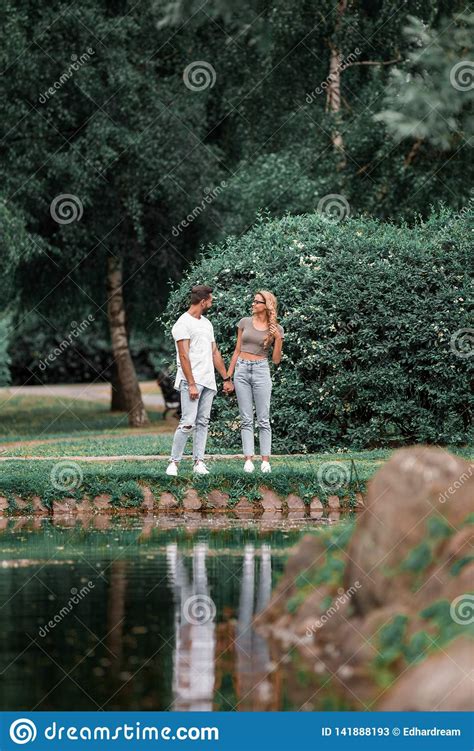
x,y
134,615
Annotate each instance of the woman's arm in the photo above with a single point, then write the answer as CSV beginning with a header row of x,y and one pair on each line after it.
x,y
231,368
277,345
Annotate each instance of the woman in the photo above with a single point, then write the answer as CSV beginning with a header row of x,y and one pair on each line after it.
x,y
256,335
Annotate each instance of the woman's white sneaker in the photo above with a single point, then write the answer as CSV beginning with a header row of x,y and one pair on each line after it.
x,y
249,466
266,467
200,468
172,469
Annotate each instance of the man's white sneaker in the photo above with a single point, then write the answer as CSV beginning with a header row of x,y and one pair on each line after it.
x,y
266,467
200,468
249,466
172,469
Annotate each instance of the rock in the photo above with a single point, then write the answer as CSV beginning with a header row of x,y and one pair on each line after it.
x,y
218,499
316,504
442,683
102,502
20,503
415,484
65,506
301,514
334,502
270,500
191,501
359,499
167,501
244,505
316,514
295,503
309,553
148,499
37,505
3,504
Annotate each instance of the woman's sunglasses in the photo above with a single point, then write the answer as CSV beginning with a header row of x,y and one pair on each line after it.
x,y
258,302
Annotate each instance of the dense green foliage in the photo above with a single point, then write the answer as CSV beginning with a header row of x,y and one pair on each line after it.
x,y
138,149
371,313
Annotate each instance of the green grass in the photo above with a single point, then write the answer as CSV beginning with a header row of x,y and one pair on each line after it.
x,y
57,427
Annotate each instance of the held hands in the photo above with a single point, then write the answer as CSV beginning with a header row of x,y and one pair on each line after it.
x,y
228,387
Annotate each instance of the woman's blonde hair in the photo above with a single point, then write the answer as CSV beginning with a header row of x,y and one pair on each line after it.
x,y
271,306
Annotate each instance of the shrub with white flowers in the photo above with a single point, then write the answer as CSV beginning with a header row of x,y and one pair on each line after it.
x,y
369,311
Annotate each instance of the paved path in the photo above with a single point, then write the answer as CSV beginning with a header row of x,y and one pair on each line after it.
x,y
140,458
90,392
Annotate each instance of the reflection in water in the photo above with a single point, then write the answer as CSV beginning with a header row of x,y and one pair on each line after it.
x,y
167,624
254,689
194,656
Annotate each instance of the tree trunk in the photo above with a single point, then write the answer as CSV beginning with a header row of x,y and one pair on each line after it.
x,y
119,403
333,101
126,374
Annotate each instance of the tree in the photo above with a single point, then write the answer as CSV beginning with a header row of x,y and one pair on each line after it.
x,y
116,134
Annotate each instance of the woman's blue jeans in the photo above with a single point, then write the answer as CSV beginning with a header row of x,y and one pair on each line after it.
x,y
253,385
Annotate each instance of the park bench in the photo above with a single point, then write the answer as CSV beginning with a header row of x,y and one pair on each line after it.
x,y
170,394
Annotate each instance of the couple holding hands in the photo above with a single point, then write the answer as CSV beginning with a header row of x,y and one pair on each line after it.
x,y
197,358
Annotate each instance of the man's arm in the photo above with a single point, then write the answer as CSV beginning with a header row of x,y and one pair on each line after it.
x,y
183,352
218,361
220,367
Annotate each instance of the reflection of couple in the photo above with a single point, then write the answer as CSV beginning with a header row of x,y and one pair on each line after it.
x,y
197,356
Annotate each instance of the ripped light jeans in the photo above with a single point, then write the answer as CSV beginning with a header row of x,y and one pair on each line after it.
x,y
253,385
195,414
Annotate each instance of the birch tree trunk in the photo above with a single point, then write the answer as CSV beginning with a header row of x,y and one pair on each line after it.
x,y
333,100
126,375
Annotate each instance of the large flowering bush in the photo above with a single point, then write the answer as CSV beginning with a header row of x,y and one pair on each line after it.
x,y
376,350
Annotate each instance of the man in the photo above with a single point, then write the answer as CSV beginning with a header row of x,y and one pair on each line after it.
x,y
196,356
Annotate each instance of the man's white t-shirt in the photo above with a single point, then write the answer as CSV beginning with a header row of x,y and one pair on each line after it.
x,y
201,335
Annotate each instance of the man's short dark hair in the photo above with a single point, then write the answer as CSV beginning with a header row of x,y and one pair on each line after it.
x,y
200,292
